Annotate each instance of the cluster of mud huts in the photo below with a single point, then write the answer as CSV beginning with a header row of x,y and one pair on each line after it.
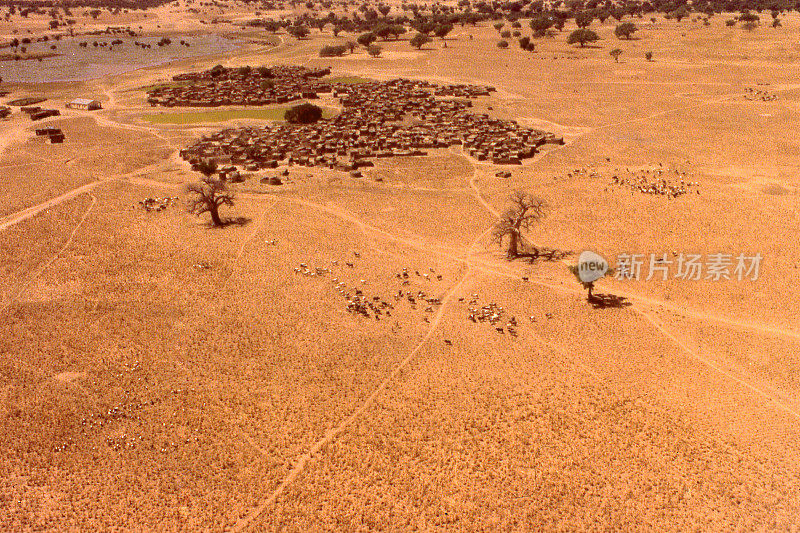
x,y
378,119
241,86
54,135
37,113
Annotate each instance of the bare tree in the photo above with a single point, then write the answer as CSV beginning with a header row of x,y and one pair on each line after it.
x,y
524,211
208,195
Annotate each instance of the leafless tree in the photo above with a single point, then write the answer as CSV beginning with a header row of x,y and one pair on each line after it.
x,y
208,195
524,212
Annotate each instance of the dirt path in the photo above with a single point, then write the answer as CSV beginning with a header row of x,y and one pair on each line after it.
x,y
479,196
716,100
257,228
420,244
155,132
38,272
301,463
495,267
775,398
25,214
764,329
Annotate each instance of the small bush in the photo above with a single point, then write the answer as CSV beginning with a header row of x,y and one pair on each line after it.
x,y
333,51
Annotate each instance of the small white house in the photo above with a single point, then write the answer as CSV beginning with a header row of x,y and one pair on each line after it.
x,y
85,103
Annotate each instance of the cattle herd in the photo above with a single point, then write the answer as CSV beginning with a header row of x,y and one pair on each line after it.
x,y
157,204
655,181
493,314
660,180
413,293
762,95
359,303
400,117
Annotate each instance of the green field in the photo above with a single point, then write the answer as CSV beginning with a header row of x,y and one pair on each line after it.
x,y
166,84
197,117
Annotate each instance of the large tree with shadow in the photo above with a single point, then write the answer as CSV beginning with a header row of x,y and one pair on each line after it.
x,y
209,194
524,212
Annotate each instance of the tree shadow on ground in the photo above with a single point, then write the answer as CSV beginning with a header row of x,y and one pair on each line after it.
x,y
544,254
606,301
237,221
231,221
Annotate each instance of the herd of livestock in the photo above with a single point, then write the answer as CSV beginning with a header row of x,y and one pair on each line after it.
x,y
157,204
414,292
655,181
762,95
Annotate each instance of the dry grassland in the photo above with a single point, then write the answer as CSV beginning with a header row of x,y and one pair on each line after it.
x,y
184,355
44,238
37,170
157,374
520,442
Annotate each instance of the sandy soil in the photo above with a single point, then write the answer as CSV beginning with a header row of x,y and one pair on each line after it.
x,y
157,374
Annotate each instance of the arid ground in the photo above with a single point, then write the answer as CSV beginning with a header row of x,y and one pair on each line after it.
x,y
160,374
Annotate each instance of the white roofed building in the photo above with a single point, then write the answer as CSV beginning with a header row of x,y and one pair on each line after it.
x,y
85,103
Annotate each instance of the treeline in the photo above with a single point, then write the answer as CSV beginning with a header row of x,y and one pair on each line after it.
x,y
385,22
366,16
384,27
44,6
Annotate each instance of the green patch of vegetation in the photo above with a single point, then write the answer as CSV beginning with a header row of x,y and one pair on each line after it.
x,y
163,85
348,80
197,117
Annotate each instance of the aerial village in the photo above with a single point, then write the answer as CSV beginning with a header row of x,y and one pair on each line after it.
x,y
400,117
